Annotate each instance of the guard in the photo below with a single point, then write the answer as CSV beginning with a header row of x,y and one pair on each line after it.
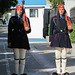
x,y
59,38
18,40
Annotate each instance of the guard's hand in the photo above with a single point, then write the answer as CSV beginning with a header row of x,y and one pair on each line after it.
x,y
9,44
50,43
70,28
27,28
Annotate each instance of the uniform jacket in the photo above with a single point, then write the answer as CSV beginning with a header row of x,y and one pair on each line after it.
x,y
59,38
17,35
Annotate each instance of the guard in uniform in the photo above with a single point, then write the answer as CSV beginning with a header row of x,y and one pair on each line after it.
x,y
18,40
59,38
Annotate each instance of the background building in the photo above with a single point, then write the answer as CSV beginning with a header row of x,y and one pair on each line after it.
x,y
68,5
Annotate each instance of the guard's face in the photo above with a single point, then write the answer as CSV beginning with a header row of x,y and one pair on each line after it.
x,y
19,12
61,11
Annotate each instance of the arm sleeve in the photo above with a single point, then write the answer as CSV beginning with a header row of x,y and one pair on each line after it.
x,y
10,30
51,30
71,22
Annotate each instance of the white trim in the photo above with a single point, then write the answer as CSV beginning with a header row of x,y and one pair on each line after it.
x,y
34,6
48,8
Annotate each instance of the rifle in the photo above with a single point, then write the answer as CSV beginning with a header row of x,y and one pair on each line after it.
x,y
26,24
69,24
25,19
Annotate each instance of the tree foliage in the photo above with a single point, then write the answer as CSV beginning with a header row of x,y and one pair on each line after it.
x,y
6,4
55,3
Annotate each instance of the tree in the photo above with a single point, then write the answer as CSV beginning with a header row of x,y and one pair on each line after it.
x,y
55,3
6,4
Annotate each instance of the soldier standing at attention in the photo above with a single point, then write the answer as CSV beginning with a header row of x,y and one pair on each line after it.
x,y
59,38
18,40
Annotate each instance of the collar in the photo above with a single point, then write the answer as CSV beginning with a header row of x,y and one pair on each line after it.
x,y
61,16
19,16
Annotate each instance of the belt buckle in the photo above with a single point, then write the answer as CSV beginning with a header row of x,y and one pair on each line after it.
x,y
61,30
12,30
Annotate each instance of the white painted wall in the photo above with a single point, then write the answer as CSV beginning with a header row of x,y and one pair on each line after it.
x,y
69,4
9,16
36,23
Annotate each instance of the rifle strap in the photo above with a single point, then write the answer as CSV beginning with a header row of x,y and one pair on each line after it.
x,y
25,20
68,20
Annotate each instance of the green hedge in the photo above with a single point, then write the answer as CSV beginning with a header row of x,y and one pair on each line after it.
x,y
48,29
72,35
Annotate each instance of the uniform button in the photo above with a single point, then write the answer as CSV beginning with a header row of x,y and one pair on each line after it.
x,y
12,29
61,30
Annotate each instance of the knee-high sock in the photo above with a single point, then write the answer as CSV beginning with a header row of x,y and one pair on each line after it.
x,y
22,66
16,56
58,61
22,60
64,60
17,66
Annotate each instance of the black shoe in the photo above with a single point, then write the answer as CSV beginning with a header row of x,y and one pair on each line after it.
x,y
14,74
54,73
24,74
66,73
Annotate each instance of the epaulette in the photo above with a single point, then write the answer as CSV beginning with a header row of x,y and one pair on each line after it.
x,y
13,18
55,17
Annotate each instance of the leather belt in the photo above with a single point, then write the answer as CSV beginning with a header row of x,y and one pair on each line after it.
x,y
62,31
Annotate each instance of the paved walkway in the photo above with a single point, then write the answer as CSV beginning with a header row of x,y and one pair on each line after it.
x,y
40,59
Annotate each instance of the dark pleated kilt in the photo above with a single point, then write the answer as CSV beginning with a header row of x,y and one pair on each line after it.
x,y
20,41
61,40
